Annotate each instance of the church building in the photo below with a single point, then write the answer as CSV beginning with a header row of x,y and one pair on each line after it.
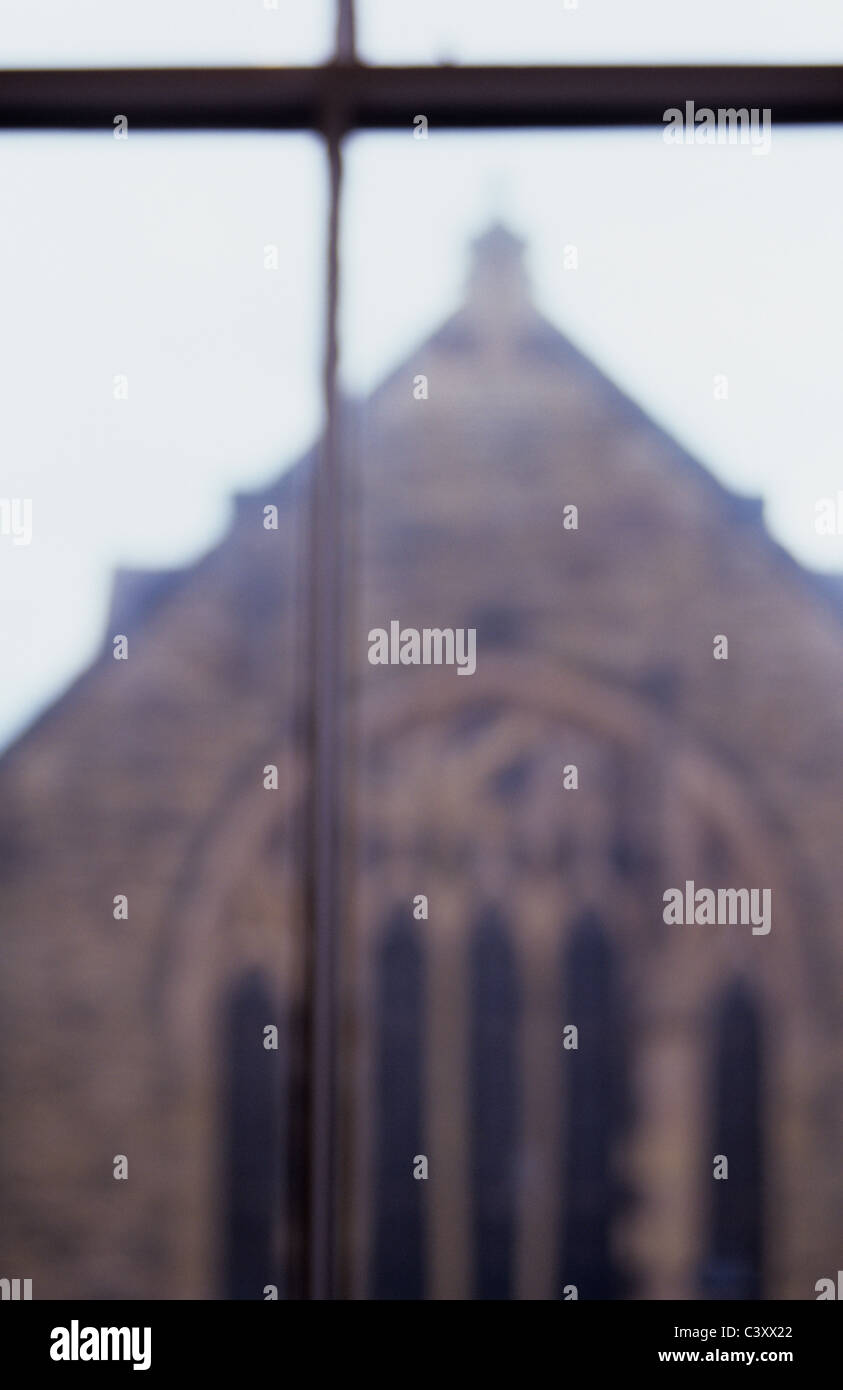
x,y
654,703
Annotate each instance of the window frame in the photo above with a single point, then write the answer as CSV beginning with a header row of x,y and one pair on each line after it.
x,y
333,100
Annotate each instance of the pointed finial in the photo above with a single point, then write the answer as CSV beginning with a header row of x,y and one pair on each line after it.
x,y
498,288
498,248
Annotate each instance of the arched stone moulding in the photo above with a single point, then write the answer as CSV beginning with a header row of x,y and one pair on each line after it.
x,y
534,695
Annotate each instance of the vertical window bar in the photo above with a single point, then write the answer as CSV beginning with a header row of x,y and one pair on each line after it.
x,y
323,887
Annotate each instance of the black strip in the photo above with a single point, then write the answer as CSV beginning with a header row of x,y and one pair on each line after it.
x,y
388,98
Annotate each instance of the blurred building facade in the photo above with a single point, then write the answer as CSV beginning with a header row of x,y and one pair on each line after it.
x,y
549,1167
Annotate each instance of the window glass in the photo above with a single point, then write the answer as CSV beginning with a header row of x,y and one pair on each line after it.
x,y
160,349
146,33
600,31
668,265
582,367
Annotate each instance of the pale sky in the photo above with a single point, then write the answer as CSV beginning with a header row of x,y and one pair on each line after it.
x,y
123,32
145,258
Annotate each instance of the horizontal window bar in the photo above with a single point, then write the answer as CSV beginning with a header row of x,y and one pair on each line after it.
x,y
356,96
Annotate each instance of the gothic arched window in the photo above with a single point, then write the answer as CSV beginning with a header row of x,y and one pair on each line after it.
x,y
732,1268
493,1063
251,1141
398,1254
596,1111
